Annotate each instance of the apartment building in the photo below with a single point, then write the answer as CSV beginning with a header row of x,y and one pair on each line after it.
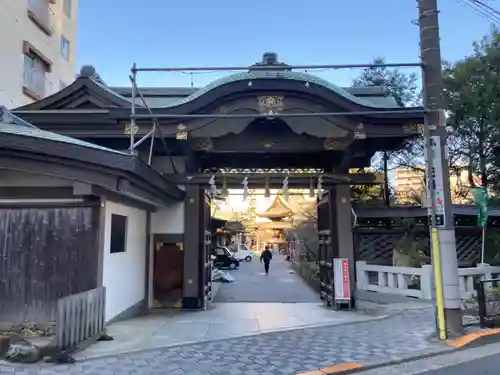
x,y
37,55
409,182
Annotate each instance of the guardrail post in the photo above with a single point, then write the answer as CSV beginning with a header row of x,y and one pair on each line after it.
x,y
361,275
426,282
481,301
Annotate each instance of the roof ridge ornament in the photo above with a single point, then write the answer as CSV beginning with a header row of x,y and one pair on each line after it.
x,y
270,61
88,71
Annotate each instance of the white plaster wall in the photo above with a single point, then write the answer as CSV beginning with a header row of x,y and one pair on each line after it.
x,y
168,220
15,27
124,273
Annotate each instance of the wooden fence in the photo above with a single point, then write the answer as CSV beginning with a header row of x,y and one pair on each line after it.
x,y
41,255
80,319
375,245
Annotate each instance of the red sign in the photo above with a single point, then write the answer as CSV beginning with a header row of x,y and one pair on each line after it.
x,y
341,279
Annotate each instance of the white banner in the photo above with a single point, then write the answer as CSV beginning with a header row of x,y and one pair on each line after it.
x,y
435,176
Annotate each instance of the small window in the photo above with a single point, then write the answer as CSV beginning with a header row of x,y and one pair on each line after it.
x,y
34,65
220,251
29,62
118,241
67,6
65,46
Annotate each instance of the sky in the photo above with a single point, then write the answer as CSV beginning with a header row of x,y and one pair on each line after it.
x,y
164,33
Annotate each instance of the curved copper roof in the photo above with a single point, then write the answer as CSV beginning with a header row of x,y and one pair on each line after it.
x,y
278,209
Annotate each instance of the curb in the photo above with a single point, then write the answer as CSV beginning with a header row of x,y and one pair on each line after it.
x,y
471,340
477,338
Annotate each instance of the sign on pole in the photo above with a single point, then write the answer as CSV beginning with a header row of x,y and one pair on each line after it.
x,y
341,280
481,199
435,182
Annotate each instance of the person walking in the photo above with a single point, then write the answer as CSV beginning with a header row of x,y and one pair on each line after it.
x,y
266,257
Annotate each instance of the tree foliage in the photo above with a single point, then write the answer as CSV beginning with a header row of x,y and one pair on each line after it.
x,y
472,100
366,194
403,87
472,93
409,250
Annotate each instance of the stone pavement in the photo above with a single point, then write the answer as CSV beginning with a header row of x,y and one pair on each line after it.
x,y
222,321
253,285
275,337
234,319
276,353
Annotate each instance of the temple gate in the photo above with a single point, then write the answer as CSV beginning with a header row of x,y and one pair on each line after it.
x,y
254,129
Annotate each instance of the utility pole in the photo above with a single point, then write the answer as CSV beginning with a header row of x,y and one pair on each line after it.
x,y
441,220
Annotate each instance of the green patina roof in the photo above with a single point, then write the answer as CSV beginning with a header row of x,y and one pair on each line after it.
x,y
373,102
185,95
34,132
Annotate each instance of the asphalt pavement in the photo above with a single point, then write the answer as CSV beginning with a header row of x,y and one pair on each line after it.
x,y
253,285
482,360
483,366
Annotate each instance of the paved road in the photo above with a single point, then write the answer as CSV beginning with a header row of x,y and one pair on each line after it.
x,y
483,366
279,353
253,285
482,360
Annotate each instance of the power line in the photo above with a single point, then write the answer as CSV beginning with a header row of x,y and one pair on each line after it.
x,y
486,6
479,12
482,10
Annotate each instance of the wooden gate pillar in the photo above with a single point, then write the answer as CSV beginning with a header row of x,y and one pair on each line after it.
x,y
193,246
341,228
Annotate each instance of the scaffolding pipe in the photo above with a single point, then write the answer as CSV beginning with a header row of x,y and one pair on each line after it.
x,y
134,88
277,67
151,145
274,115
141,141
132,111
156,126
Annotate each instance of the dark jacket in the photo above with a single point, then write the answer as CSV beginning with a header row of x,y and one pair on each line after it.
x,y
266,255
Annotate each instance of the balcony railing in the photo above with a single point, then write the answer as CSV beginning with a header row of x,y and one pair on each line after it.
x,y
39,11
36,82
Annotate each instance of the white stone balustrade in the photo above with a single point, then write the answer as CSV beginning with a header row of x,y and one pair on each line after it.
x,y
417,282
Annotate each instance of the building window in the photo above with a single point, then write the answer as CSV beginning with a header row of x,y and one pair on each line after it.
x,y
41,14
67,6
118,241
35,83
65,46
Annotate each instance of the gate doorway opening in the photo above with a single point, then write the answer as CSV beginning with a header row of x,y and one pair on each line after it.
x,y
168,272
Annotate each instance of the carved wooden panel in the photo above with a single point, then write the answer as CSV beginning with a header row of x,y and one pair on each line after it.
x,y
203,144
